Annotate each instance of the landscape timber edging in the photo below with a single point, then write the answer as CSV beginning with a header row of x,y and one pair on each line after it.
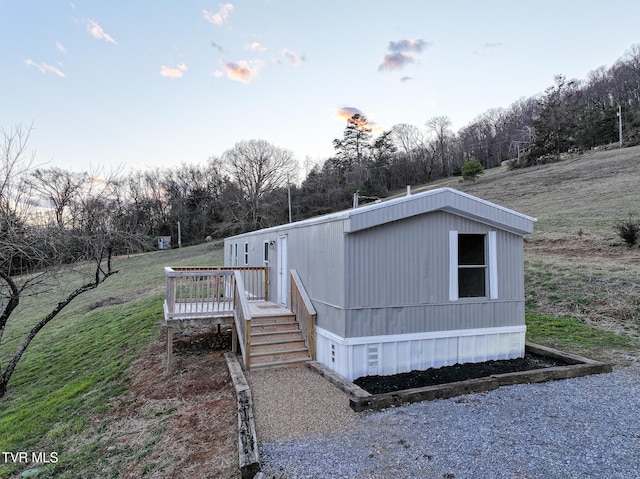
x,y
248,455
361,400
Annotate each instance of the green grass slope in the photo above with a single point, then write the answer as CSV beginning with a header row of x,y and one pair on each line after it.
x,y
78,363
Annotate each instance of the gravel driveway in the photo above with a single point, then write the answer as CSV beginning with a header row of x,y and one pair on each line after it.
x,y
585,427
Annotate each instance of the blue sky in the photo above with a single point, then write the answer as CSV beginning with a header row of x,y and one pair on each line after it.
x,y
142,84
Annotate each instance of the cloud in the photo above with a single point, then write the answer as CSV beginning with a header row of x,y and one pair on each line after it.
x,y
217,47
96,31
401,54
44,67
347,112
395,61
404,79
255,47
219,17
176,72
61,47
241,71
408,46
293,57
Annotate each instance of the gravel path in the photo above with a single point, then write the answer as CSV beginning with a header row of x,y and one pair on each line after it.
x,y
585,427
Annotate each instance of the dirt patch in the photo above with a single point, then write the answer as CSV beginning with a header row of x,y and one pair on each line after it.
x,y
449,374
182,425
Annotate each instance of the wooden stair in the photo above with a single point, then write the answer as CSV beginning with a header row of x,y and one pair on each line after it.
x,y
277,341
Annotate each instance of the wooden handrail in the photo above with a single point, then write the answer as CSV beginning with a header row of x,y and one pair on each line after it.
x,y
242,318
302,307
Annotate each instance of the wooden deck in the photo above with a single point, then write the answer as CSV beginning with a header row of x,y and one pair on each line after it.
x,y
211,314
265,333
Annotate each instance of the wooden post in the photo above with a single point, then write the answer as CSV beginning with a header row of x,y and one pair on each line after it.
x,y
247,345
169,349
266,283
234,339
312,336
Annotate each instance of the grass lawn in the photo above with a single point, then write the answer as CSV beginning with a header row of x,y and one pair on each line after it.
x,y
78,363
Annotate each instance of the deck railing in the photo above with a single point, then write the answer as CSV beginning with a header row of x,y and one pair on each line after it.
x,y
198,293
305,312
194,292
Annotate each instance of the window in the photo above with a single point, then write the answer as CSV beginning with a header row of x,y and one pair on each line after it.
x,y
265,254
472,266
246,254
234,255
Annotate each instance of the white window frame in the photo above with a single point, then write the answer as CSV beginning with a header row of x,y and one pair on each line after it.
x,y
491,261
246,253
265,252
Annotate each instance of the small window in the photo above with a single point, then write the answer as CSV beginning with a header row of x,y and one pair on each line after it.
x,y
234,258
246,254
265,256
472,266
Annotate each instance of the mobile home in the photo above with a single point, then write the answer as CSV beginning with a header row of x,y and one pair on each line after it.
x,y
424,280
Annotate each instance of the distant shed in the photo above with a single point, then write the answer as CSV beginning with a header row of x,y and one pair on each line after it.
x,y
424,280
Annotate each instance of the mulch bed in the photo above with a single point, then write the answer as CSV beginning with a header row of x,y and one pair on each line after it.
x,y
449,374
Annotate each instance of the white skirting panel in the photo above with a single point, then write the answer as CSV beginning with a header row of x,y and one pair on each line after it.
x,y
385,355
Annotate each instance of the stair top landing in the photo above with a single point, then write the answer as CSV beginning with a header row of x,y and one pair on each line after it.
x,y
267,308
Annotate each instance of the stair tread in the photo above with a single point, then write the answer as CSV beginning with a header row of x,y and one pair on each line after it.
x,y
283,362
277,341
275,352
279,331
267,321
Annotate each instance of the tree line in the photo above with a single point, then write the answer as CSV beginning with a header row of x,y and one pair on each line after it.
x,y
249,185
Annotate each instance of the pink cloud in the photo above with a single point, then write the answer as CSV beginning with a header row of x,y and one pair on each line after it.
x,y
241,71
176,72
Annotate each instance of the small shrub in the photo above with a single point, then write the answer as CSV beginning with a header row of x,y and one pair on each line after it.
x,y
629,231
471,169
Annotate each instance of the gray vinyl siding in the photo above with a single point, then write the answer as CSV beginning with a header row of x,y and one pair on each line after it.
x,y
400,279
431,318
317,253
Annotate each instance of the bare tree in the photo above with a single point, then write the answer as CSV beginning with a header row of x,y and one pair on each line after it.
x,y
408,138
59,187
33,255
259,168
15,162
440,127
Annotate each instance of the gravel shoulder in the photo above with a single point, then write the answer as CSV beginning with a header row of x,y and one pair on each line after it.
x,y
574,428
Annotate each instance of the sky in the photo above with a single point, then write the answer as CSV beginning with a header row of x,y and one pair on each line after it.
x,y
140,84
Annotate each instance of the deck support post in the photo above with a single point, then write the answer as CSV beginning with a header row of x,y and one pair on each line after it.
x,y
169,349
234,339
